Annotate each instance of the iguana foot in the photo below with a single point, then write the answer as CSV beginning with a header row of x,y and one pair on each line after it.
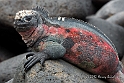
x,y
36,57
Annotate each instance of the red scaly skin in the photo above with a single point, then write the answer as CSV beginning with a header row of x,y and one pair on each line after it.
x,y
89,51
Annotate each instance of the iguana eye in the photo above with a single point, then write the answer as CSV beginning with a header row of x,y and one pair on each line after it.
x,y
27,18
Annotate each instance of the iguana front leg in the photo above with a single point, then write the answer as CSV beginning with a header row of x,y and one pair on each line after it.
x,y
50,50
36,57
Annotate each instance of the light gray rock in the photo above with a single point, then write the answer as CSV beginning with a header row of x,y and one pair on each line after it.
x,y
111,8
8,68
117,19
114,32
10,81
55,71
68,8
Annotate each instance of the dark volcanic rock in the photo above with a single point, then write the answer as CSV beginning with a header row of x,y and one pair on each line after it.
x,y
113,31
99,3
111,8
117,19
8,68
5,54
10,42
55,71
68,8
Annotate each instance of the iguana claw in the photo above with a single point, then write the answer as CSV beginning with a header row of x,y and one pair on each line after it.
x,y
36,57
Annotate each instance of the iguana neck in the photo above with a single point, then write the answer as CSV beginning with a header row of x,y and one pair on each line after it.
x,y
30,36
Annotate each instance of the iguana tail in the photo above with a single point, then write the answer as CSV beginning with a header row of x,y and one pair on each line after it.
x,y
119,76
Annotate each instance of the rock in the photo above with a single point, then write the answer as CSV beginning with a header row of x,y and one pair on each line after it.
x,y
10,81
55,71
113,31
68,8
99,3
111,8
8,68
5,54
10,43
122,61
117,19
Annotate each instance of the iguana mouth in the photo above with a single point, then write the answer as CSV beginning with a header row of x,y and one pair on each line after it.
x,y
20,26
21,29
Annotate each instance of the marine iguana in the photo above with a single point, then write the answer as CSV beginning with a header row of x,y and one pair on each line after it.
x,y
73,40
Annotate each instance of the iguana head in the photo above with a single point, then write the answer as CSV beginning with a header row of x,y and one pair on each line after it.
x,y
26,19
28,24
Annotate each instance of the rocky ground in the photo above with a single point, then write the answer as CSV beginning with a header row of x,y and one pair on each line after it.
x,y
107,15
